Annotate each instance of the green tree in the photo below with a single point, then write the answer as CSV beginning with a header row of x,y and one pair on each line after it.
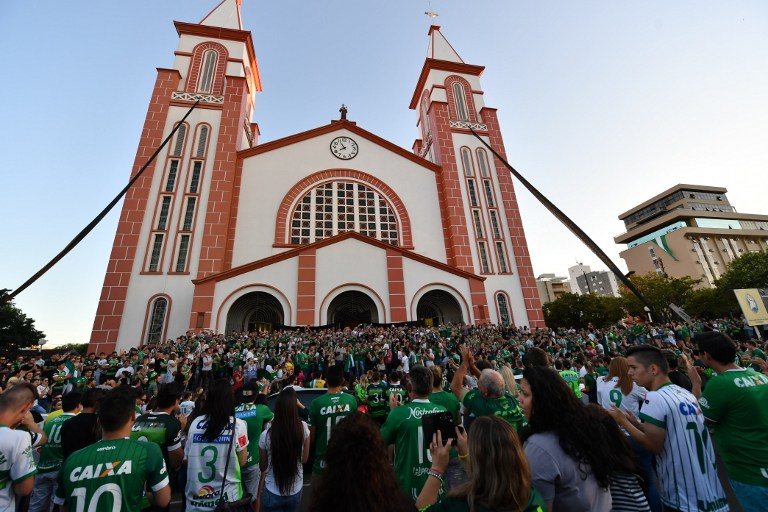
x,y
579,311
747,271
16,329
710,303
659,291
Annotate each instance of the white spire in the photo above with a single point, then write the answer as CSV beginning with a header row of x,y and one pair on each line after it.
x,y
225,15
440,48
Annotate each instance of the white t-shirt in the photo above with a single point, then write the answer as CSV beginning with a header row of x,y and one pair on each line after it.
x,y
270,482
187,407
608,393
16,463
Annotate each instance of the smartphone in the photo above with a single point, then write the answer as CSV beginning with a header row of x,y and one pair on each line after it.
x,y
438,422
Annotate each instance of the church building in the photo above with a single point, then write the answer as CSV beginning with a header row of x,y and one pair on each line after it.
x,y
331,226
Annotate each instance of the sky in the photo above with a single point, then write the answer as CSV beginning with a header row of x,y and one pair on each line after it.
x,y
602,105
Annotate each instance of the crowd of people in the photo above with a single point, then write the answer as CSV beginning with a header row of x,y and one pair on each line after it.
x,y
451,417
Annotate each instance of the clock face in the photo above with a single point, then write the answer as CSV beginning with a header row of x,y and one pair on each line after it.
x,y
344,148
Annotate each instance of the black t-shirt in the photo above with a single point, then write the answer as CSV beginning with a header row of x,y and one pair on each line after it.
x,y
79,432
679,378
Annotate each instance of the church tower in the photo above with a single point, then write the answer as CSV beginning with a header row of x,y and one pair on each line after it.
x,y
177,217
482,225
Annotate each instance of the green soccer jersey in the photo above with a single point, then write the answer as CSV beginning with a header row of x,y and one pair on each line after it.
x,y
160,428
377,401
404,429
572,379
51,456
324,413
736,402
254,416
110,475
401,394
506,407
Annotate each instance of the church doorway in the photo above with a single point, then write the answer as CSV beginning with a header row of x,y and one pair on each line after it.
x,y
438,307
255,311
352,308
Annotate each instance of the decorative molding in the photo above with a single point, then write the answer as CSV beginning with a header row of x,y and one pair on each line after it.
x,y
248,132
193,96
466,124
427,145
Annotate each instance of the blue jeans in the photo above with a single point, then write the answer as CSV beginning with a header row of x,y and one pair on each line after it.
x,y
753,498
275,503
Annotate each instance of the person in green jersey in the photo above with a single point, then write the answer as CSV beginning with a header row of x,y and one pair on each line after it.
x,y
255,417
163,426
570,377
499,476
445,398
403,429
735,402
490,398
112,474
52,455
61,378
377,402
673,429
396,394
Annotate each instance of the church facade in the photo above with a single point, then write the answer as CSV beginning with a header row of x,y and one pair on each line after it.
x,y
332,226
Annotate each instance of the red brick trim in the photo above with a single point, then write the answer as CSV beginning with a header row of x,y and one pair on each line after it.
x,y
442,65
148,313
396,280
509,306
285,211
305,289
469,101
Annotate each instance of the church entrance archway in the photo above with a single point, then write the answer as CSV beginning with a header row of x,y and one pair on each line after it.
x,y
352,308
255,311
439,307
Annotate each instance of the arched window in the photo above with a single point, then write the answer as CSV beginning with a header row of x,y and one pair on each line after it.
x,y
501,300
201,141
466,160
157,320
179,146
425,129
205,82
482,161
340,206
461,105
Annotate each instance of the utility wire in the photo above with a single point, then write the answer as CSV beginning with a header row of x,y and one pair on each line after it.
x,y
576,230
71,245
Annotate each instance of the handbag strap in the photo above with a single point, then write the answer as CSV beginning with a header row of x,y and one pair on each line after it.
x,y
229,456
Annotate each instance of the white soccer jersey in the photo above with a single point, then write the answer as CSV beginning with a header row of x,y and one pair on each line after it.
x,y
16,463
686,464
608,393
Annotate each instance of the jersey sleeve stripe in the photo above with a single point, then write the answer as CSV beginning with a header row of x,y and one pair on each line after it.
x,y
653,421
34,471
159,485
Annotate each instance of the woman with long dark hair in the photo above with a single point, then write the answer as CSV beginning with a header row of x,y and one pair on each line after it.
x,y
499,476
207,448
283,448
355,476
573,457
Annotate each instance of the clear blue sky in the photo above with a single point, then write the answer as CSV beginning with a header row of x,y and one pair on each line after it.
x,y
602,103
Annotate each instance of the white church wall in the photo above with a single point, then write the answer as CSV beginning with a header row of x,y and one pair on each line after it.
x,y
350,262
510,284
268,177
420,278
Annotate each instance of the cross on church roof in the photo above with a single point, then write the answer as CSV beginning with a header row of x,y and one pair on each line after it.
x,y
432,15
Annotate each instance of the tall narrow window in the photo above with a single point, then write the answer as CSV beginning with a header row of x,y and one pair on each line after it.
x,y
173,171
488,193
478,224
162,218
201,142
209,68
180,140
181,260
189,214
472,193
466,160
425,129
484,267
461,105
495,224
157,320
501,300
502,257
194,181
482,161
157,249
